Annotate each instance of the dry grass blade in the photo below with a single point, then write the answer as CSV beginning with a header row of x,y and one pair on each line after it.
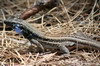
x,y
69,17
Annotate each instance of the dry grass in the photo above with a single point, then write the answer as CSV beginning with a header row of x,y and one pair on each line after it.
x,y
70,17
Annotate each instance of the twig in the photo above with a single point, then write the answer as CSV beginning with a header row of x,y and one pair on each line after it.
x,y
40,5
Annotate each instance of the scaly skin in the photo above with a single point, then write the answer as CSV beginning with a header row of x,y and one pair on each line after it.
x,y
44,42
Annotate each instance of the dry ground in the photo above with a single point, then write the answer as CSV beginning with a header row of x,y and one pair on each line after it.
x,y
71,16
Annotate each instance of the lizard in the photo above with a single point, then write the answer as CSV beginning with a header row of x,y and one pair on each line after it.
x,y
38,38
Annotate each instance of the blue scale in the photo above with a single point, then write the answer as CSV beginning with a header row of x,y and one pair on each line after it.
x,y
18,29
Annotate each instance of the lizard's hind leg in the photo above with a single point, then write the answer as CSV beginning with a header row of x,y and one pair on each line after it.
x,y
63,47
40,48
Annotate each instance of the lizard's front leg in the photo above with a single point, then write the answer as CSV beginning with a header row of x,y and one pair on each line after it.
x,y
40,48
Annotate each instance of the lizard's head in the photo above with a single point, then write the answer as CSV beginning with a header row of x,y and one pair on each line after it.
x,y
15,24
11,21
